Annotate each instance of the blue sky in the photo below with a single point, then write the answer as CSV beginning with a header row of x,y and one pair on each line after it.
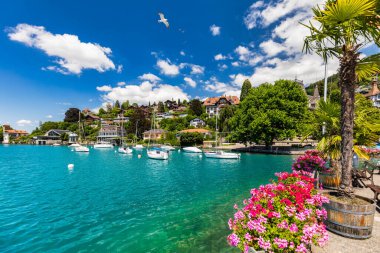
x,y
61,54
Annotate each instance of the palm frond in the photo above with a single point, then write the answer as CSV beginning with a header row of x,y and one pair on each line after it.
x,y
368,67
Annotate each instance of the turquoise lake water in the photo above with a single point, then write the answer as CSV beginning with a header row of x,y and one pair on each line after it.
x,y
118,203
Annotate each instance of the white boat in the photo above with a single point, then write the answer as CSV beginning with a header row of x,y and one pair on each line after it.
x,y
138,147
82,149
103,145
124,150
158,154
222,155
167,147
74,145
192,150
56,144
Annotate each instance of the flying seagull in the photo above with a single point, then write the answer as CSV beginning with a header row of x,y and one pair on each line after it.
x,y
163,20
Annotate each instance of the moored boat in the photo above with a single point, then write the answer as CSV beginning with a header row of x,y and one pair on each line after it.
x,y
82,149
157,154
192,150
74,145
124,150
222,155
138,147
103,145
167,147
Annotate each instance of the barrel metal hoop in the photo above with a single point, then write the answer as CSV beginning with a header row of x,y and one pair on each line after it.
x,y
348,226
347,211
349,235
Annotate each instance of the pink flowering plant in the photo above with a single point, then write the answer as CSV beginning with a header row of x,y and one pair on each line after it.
x,y
286,216
309,162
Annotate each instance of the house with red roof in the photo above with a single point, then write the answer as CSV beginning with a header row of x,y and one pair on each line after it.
x,y
9,133
215,104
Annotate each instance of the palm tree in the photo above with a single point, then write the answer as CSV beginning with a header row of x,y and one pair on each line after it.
x,y
342,29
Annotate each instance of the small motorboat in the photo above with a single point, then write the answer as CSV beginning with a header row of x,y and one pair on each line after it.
x,y
138,147
103,145
192,150
56,145
124,150
82,149
74,145
167,147
222,155
158,154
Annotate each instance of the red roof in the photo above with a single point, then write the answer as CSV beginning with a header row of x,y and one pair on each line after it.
x,y
213,101
16,131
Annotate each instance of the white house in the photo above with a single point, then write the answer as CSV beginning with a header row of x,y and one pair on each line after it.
x,y
215,104
197,123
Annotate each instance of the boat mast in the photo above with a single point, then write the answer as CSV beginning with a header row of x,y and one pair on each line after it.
x,y
79,128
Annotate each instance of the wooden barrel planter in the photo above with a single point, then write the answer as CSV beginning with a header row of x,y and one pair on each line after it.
x,y
352,221
329,180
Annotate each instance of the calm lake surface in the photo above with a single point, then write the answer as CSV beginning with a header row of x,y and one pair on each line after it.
x,y
118,203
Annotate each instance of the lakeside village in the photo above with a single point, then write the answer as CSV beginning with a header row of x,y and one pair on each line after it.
x,y
183,123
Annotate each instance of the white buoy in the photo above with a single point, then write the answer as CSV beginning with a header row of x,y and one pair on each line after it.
x,y
200,156
70,166
179,150
139,156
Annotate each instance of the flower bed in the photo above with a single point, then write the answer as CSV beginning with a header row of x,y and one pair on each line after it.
x,y
309,162
286,216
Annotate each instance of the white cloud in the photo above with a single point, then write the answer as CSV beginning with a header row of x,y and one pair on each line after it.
x,y
239,79
120,83
222,67
104,88
71,55
144,93
272,48
119,69
220,57
167,68
190,82
270,13
216,86
150,77
215,30
235,64
49,116
247,56
182,53
195,69
308,68
24,122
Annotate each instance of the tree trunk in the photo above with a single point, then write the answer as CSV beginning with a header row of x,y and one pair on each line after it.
x,y
347,85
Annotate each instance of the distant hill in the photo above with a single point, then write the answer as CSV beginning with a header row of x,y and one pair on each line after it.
x,y
332,83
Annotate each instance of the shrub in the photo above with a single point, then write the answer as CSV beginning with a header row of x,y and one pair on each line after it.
x,y
190,139
286,216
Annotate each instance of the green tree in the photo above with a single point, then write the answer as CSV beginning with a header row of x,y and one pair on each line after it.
x,y
102,112
137,118
196,107
72,115
225,115
190,139
345,26
109,108
1,134
247,86
125,105
117,104
270,112
161,107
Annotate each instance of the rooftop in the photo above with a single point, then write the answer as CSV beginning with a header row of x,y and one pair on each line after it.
x,y
214,100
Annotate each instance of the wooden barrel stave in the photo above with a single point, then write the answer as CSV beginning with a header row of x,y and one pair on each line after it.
x,y
350,220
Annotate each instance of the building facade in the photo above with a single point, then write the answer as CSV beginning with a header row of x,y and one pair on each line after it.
x,y
374,93
9,133
52,136
197,123
155,134
215,104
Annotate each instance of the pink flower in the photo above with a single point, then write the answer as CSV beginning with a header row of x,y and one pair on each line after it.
x,y
230,224
256,225
293,228
236,207
248,237
233,240
301,216
283,224
321,213
281,243
265,245
239,215
301,248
